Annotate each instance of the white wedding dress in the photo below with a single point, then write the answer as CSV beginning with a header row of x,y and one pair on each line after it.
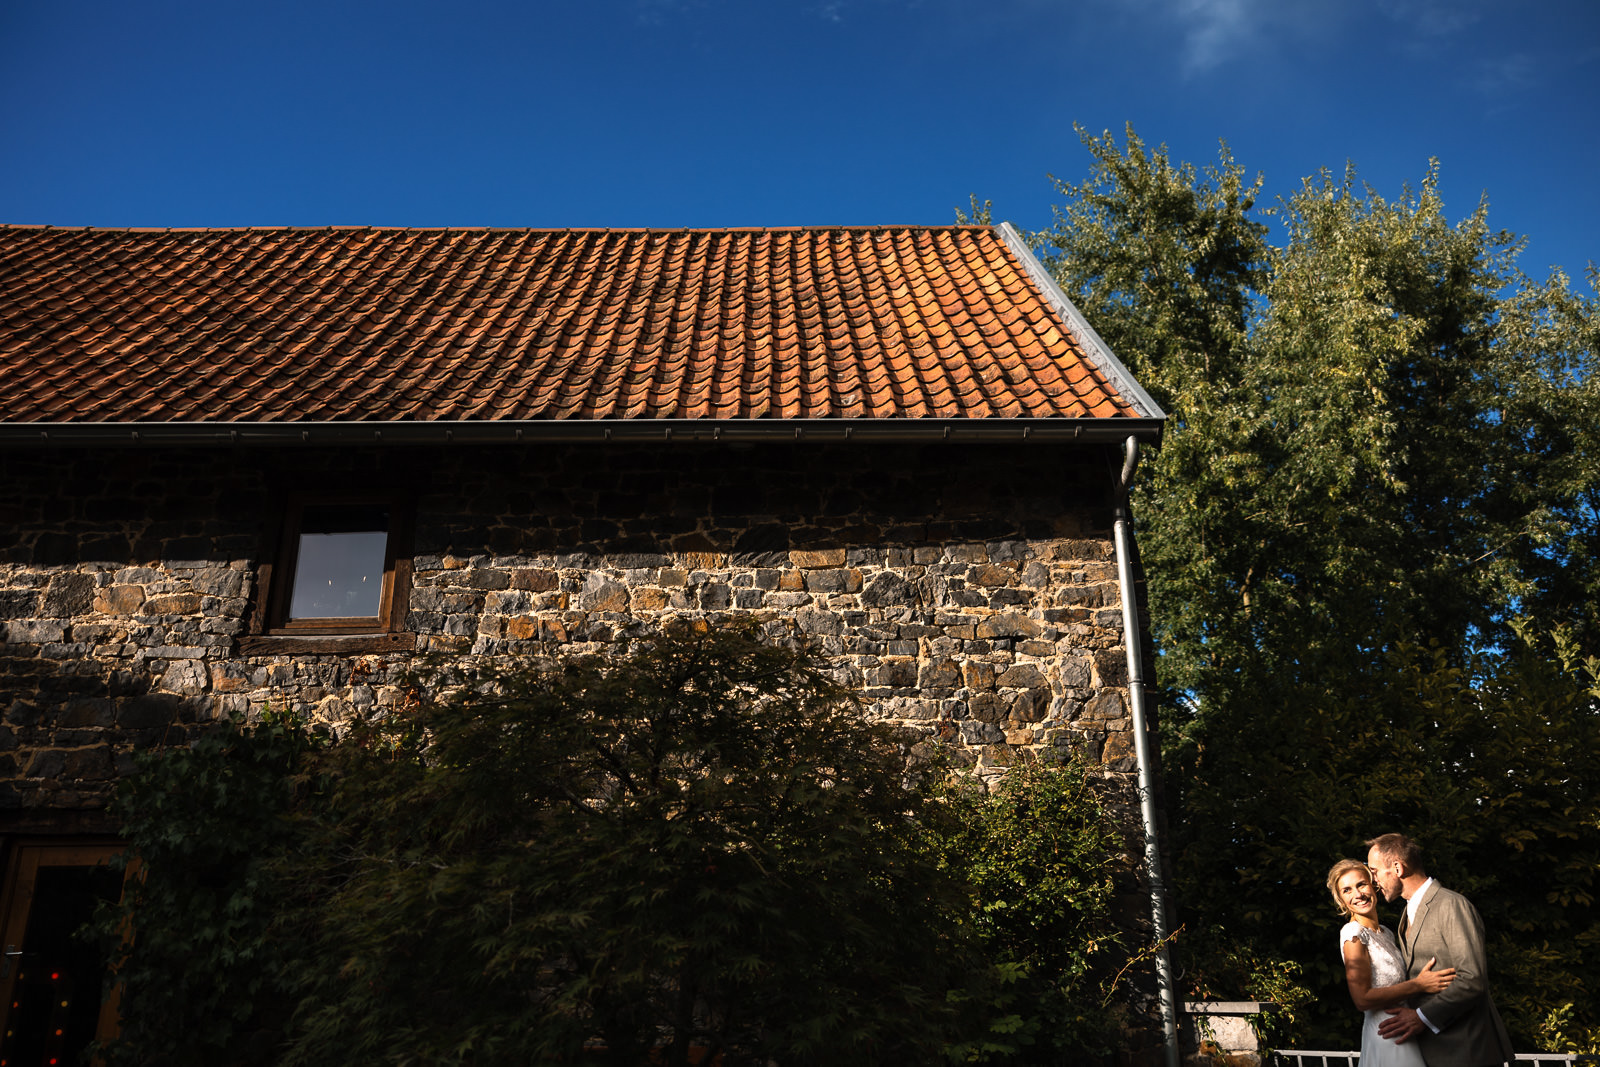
x,y
1388,968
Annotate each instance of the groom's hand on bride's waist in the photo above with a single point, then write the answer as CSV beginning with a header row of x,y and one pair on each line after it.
x,y
1401,1026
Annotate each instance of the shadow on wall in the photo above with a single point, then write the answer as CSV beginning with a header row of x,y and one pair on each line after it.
x,y
70,722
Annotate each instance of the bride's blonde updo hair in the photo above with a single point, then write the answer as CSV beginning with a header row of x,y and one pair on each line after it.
x,y
1339,870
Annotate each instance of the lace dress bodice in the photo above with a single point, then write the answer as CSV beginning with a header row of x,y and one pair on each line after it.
x,y
1388,966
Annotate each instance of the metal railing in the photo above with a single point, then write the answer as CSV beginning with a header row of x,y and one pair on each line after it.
x,y
1283,1057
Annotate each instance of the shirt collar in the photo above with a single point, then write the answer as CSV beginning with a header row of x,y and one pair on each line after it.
x,y
1416,898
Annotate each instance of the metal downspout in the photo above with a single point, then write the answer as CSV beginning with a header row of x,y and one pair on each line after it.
x,y
1123,534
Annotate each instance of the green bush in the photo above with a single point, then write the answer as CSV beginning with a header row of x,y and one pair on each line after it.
x,y
696,848
1043,863
204,974
703,845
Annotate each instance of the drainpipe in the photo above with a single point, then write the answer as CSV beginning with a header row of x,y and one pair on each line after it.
x,y
1123,533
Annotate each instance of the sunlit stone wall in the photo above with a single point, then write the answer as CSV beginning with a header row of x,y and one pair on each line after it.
x,y
968,593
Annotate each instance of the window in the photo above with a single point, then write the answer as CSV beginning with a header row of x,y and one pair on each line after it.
x,y
340,562
341,574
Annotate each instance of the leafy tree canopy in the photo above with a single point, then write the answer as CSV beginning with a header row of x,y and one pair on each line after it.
x,y
1373,525
704,845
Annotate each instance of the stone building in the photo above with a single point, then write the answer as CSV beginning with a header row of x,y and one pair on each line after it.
x,y
242,468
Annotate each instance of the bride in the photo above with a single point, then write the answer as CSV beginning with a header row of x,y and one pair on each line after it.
x,y
1374,967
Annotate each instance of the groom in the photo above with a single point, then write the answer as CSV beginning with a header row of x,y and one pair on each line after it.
x,y
1458,1027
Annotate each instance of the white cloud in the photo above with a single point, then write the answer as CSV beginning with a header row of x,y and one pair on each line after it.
x,y
1216,30
1434,18
1507,73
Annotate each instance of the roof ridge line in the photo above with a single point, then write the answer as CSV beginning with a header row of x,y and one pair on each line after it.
x,y
343,227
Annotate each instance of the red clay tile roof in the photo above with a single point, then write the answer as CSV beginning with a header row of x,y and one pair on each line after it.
x,y
404,325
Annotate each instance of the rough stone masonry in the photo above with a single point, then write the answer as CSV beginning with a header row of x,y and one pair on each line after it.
x,y
968,593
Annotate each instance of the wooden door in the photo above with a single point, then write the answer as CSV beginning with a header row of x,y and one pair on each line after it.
x,y
51,979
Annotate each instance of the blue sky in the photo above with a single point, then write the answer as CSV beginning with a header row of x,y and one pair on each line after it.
x,y
775,112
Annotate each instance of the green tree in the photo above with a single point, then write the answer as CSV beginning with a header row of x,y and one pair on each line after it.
x,y
1383,437
1490,763
1168,263
699,847
696,848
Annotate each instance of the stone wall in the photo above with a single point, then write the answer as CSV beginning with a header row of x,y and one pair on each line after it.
x,y
969,592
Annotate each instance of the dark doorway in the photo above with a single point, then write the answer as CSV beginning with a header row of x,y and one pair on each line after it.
x,y
52,980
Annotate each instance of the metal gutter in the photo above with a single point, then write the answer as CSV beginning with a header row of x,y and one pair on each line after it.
x,y
1122,532
1090,341
654,431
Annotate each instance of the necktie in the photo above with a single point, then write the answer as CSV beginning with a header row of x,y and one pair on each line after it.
x,y
1405,921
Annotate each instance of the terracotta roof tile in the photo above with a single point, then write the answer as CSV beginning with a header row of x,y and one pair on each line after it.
x,y
378,325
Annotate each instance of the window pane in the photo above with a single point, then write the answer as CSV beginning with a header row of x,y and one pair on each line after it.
x,y
338,570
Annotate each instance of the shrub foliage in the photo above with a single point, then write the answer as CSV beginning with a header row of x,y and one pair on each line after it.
x,y
696,849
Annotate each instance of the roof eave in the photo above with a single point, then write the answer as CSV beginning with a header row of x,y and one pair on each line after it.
x,y
657,431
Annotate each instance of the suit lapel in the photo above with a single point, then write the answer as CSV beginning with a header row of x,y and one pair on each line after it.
x,y
1414,928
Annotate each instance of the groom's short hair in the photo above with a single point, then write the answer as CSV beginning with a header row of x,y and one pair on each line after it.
x,y
1399,847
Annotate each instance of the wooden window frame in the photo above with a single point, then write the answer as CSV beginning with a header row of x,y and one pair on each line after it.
x,y
271,630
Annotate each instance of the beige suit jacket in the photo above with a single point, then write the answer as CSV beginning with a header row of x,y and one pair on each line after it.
x,y
1471,1034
